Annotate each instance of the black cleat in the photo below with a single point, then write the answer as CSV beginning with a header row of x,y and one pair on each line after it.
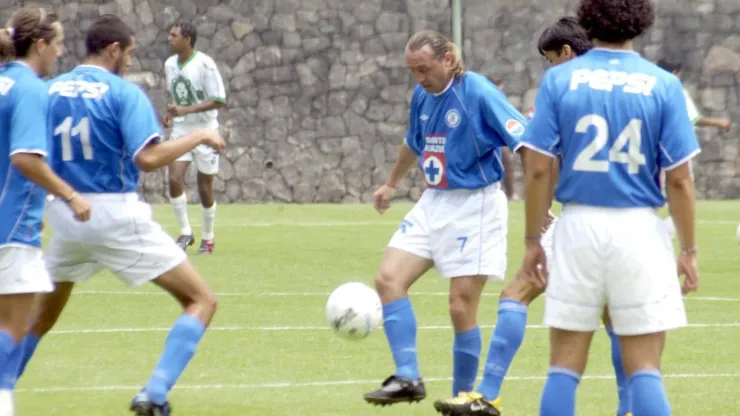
x,y
468,404
142,406
184,241
206,246
397,390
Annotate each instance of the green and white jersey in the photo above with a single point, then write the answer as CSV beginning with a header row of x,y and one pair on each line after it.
x,y
193,82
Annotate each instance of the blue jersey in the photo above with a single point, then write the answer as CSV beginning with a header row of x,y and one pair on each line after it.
x,y
616,120
99,121
23,118
458,134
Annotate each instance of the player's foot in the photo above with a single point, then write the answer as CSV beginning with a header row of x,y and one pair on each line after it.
x,y
184,241
206,246
468,404
397,390
142,406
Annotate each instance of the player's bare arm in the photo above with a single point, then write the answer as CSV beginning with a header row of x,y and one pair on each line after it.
x,y
681,202
174,110
720,123
404,162
160,154
33,167
537,188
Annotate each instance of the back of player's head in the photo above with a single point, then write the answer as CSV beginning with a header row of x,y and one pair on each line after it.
x,y
440,46
671,65
565,31
107,30
616,21
27,26
187,30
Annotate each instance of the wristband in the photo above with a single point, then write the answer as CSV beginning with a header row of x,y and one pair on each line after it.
x,y
532,238
685,250
389,185
71,197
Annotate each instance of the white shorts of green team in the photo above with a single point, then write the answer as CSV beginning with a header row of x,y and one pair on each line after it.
x,y
120,236
22,270
462,231
204,157
622,259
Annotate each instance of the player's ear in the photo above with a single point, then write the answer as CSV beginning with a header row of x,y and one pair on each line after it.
x,y
566,51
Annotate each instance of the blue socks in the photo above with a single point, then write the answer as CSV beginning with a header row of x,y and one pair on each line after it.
x,y
9,373
9,351
28,347
559,395
399,323
648,394
506,340
622,388
465,356
178,350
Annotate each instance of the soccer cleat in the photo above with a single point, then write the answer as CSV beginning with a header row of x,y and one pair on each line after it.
x,y
468,404
206,246
142,406
184,241
397,390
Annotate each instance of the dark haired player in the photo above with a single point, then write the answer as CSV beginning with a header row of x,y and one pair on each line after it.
x,y
615,120
105,132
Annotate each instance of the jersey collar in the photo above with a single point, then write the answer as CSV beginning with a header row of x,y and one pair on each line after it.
x,y
446,88
92,66
616,50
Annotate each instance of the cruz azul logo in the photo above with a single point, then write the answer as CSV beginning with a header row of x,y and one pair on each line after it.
x,y
434,163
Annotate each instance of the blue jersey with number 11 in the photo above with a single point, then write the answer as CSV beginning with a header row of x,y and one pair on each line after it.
x,y
99,121
616,120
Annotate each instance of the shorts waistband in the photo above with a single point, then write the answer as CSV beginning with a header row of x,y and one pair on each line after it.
x,y
124,197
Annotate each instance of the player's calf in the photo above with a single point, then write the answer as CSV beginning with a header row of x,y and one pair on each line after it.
x,y
641,357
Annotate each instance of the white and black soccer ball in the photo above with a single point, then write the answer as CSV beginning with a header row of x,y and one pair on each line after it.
x,y
354,310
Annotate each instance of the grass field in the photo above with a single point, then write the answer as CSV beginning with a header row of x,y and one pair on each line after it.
x,y
270,352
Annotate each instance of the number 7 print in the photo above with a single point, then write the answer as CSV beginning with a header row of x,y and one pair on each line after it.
x,y
462,241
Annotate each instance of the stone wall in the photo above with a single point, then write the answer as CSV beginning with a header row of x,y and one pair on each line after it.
x,y
318,90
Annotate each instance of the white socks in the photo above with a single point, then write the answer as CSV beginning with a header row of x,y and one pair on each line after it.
x,y
180,205
209,221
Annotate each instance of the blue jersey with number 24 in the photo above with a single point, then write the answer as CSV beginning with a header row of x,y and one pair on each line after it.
x,y
458,134
616,120
99,121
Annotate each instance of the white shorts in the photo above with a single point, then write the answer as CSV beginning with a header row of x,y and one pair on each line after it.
x,y
619,258
204,157
546,242
120,235
22,270
462,231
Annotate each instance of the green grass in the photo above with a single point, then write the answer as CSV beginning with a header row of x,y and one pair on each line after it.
x,y
273,268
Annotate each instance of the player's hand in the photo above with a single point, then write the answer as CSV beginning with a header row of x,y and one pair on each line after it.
x,y
382,198
726,124
534,265
167,119
80,207
214,140
687,267
177,110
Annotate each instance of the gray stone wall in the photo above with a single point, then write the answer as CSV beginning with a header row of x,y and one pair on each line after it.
x,y
318,90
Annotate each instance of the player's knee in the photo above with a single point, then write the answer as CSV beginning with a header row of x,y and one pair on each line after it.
x,y
388,287
520,291
463,308
207,302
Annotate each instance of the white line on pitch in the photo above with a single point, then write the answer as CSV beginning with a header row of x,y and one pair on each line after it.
x,y
302,294
358,223
293,384
303,328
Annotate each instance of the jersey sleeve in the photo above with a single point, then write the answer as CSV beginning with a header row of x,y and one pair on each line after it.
x,y
28,125
138,121
694,115
678,142
498,113
168,75
542,132
413,135
213,83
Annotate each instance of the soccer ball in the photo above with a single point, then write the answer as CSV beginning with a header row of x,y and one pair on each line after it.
x,y
354,310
